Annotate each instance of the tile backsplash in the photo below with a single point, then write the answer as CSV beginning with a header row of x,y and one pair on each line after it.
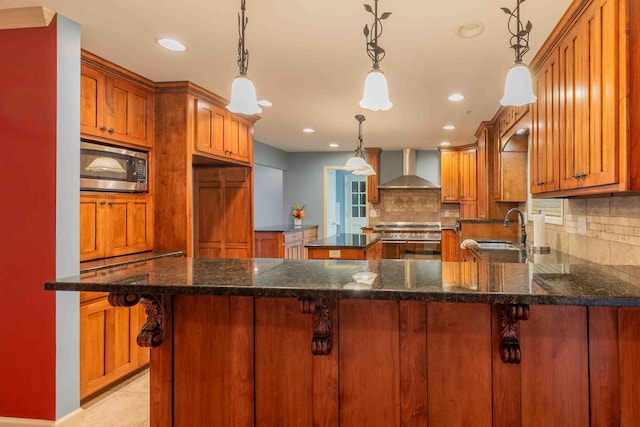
x,y
612,233
418,205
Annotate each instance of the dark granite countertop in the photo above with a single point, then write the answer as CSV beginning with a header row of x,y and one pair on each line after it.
x,y
527,283
346,241
99,264
290,228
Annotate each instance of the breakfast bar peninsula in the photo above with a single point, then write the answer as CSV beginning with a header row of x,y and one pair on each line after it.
x,y
273,342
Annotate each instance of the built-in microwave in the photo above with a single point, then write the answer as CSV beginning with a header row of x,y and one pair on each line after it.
x,y
107,168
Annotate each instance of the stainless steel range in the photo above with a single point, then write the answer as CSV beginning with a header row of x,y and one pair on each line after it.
x,y
411,240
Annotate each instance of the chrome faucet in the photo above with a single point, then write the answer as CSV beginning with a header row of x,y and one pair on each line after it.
x,y
523,232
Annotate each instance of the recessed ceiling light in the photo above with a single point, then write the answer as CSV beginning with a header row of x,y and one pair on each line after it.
x,y
334,145
445,143
448,127
470,29
456,97
172,45
308,130
264,103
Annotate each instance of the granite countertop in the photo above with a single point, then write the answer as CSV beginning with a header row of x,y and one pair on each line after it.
x,y
526,283
99,264
346,241
289,228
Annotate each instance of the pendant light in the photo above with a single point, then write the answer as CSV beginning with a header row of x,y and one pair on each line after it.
x,y
357,164
376,91
243,92
518,89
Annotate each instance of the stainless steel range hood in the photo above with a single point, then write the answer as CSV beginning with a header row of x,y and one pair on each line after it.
x,y
409,179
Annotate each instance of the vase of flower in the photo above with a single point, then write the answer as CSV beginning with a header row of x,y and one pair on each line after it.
x,y
298,214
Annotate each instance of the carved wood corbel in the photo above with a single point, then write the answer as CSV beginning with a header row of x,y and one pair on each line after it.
x,y
152,332
322,333
509,334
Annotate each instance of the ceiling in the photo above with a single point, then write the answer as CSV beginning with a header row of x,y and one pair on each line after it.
x,y
308,58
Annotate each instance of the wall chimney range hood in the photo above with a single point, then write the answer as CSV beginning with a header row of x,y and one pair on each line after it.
x,y
409,179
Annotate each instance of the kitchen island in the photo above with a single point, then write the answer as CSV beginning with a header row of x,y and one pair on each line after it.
x,y
286,342
347,246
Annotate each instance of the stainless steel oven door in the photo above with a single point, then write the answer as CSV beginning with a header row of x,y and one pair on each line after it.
x,y
424,250
106,168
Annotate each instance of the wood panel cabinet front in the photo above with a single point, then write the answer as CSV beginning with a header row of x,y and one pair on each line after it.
x,y
223,214
114,109
112,225
588,109
450,246
222,134
450,175
468,174
108,348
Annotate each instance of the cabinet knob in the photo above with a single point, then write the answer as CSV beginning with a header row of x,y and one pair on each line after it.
x,y
111,130
576,176
111,203
102,202
103,128
583,175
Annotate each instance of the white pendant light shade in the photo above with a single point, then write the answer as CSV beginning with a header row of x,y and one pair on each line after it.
x,y
355,163
243,96
365,170
376,92
518,89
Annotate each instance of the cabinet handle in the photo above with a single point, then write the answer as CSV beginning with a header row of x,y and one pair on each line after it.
x,y
102,202
111,130
576,176
111,203
103,128
583,175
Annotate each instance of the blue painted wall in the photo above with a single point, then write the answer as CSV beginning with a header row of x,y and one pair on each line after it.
x,y
267,195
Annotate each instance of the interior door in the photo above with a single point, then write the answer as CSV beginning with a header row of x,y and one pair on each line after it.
x,y
355,194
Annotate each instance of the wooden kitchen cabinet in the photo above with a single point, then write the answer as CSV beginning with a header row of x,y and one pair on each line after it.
x,y
588,99
586,119
450,175
222,134
468,174
115,104
112,225
373,158
284,244
222,198
450,246
108,348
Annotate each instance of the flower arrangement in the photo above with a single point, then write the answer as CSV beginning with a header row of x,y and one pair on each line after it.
x,y
298,211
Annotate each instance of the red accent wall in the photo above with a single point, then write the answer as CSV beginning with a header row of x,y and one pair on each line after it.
x,y
27,222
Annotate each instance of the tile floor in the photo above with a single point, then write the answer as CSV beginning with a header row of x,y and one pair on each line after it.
x,y
125,405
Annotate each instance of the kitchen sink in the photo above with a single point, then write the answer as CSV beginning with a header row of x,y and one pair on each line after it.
x,y
498,246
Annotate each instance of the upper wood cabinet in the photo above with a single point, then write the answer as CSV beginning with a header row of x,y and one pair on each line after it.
x,y
450,175
545,132
113,225
468,174
222,134
115,105
587,116
373,158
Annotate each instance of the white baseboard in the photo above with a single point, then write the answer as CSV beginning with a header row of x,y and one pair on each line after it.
x,y
72,419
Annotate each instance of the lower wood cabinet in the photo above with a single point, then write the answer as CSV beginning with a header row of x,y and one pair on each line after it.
x,y
450,246
113,225
108,349
281,244
394,363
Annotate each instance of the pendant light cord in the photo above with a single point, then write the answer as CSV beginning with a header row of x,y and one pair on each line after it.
x,y
520,36
243,53
375,52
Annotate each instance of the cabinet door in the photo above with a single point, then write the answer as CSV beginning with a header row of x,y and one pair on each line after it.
x,y
92,105
130,112
238,213
211,128
468,210
468,174
107,347
588,109
450,246
92,223
544,157
450,176
129,225
240,145
482,181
